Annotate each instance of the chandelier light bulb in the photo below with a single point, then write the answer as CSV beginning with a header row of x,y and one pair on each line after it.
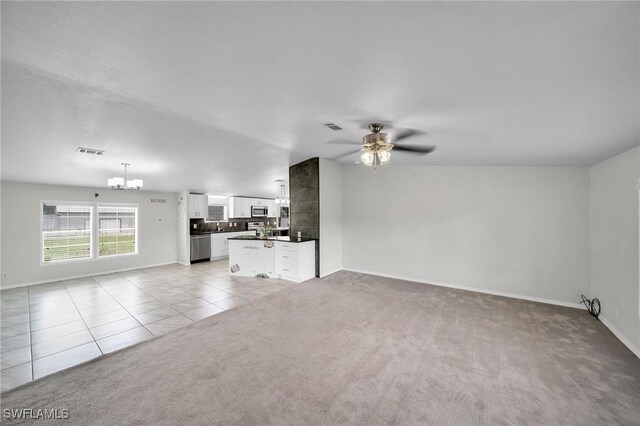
x,y
116,181
134,184
124,183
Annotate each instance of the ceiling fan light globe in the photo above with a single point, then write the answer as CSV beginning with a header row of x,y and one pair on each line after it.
x,y
384,157
367,158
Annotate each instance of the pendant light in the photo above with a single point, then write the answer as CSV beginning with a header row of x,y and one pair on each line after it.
x,y
124,183
282,199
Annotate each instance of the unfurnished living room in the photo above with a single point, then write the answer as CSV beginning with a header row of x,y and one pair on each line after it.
x,y
320,213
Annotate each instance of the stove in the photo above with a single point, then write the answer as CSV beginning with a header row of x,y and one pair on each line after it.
x,y
254,226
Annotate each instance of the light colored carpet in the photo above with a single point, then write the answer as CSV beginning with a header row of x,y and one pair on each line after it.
x,y
357,349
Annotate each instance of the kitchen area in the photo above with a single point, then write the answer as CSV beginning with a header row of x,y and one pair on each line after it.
x,y
214,219
262,237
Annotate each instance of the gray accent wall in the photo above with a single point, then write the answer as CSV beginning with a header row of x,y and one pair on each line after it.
x,y
304,192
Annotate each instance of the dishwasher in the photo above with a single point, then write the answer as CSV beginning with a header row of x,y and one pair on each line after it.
x,y
200,247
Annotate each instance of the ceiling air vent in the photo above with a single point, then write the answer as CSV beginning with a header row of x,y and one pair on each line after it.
x,y
90,151
333,126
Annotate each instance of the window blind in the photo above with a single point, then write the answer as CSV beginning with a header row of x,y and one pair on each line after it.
x,y
116,230
66,232
216,213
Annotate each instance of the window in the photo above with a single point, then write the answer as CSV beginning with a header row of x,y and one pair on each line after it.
x,y
77,231
117,230
66,232
217,213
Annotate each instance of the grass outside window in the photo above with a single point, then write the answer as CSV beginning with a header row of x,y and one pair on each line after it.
x,y
75,231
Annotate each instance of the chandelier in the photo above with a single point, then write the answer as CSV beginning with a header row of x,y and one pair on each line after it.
x,y
376,147
124,183
282,199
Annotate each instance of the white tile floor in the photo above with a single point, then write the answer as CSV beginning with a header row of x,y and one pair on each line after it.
x,y
49,327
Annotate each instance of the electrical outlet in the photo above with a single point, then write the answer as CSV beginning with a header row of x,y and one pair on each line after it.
x,y
4,275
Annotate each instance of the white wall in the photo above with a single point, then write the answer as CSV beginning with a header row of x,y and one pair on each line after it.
x,y
157,232
184,242
330,217
614,243
518,231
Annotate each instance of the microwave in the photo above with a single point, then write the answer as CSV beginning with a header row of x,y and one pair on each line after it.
x,y
259,211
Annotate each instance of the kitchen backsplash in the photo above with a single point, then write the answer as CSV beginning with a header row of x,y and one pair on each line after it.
x,y
241,224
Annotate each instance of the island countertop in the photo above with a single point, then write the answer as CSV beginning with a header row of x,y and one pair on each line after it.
x,y
229,231
283,239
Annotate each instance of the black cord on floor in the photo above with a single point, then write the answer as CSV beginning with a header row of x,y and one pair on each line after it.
x,y
593,305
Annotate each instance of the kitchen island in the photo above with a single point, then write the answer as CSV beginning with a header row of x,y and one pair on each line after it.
x,y
288,258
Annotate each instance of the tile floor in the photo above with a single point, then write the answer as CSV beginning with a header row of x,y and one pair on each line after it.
x,y
49,327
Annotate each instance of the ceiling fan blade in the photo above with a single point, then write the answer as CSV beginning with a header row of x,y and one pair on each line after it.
x,y
345,155
424,149
343,142
407,133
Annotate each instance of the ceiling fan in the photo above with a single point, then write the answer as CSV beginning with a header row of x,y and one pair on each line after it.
x,y
376,146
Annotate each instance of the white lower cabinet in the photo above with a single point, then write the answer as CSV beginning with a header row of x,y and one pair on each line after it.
x,y
220,243
296,261
219,248
277,259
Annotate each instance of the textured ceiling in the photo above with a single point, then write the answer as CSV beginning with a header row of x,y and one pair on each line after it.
x,y
223,97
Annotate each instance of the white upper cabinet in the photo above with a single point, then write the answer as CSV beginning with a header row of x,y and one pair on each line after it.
x,y
240,207
198,206
274,209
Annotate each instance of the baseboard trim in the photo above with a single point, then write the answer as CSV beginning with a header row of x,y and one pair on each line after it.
x,y
478,290
625,341
73,277
331,272
619,335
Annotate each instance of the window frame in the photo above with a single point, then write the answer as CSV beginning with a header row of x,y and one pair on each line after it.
x,y
97,230
94,232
